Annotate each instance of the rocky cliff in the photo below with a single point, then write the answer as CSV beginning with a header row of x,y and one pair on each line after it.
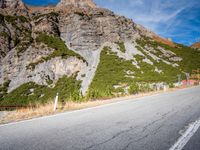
x,y
40,45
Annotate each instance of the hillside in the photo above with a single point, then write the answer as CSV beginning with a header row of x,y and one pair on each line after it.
x,y
78,49
196,45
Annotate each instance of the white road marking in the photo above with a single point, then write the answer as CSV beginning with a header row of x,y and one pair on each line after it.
x,y
183,140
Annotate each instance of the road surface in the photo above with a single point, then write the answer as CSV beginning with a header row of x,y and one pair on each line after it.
x,y
149,123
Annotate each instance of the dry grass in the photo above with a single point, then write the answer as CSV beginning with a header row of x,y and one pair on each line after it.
x,y
47,109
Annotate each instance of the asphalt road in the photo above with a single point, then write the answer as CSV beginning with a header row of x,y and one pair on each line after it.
x,y
148,123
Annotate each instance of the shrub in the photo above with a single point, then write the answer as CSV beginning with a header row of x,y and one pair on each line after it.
x,y
68,88
134,88
4,89
144,87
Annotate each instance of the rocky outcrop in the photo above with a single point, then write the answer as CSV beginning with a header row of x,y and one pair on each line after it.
x,y
47,23
11,4
88,32
14,31
15,68
77,3
13,7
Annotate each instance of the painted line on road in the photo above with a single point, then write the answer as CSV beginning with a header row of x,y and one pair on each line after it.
x,y
184,139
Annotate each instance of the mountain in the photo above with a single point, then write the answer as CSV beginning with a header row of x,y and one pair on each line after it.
x,y
77,47
196,45
77,3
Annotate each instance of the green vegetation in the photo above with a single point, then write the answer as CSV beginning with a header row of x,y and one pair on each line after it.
x,y
189,55
139,58
13,19
22,37
4,34
32,94
134,88
24,43
4,89
1,18
121,47
51,14
79,13
110,72
145,87
56,43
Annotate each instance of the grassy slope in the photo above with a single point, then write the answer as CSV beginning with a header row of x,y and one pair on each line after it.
x,y
190,56
31,93
112,70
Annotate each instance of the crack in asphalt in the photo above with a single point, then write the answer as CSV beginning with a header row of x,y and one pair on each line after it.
x,y
163,116
113,137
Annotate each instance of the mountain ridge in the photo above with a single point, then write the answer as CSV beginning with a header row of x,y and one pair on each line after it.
x,y
77,3
196,45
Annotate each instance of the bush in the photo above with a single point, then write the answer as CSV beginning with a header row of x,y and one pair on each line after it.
x,y
134,88
4,89
32,94
144,87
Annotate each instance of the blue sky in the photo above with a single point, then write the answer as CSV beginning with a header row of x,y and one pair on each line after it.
x,y
175,19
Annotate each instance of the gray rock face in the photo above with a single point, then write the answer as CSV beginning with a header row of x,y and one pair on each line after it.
x,y
1,3
11,4
50,70
77,3
83,32
13,7
15,68
47,24
12,64
12,32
